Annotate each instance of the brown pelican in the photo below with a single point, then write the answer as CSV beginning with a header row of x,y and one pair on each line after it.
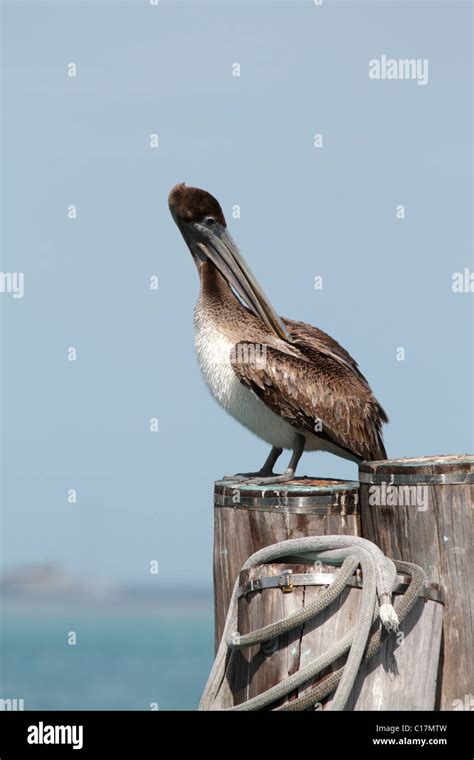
x,y
288,382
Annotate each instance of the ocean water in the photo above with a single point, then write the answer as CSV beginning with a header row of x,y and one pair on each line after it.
x,y
126,657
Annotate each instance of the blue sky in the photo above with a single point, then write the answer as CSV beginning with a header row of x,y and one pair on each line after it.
x,y
305,211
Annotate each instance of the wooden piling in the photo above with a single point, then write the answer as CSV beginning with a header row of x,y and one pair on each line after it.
x,y
247,518
421,510
394,679
417,510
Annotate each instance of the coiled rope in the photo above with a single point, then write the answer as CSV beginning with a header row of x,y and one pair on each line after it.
x,y
379,576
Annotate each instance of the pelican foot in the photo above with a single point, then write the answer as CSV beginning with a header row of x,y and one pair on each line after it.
x,y
244,477
269,479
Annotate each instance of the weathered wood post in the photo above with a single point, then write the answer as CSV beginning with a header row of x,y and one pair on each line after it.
x,y
393,679
247,518
421,510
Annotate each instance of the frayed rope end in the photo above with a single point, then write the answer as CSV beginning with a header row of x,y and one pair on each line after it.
x,y
389,617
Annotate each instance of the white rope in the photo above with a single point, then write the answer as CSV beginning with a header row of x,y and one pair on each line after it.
x,y
379,575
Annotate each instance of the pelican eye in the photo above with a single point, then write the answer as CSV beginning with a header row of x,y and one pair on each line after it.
x,y
210,220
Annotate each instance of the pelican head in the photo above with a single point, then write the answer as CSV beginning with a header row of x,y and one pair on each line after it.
x,y
202,224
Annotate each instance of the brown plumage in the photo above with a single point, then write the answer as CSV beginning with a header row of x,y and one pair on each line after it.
x,y
191,204
306,378
315,393
313,380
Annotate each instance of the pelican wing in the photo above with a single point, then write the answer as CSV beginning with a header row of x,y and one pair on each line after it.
x,y
310,337
315,391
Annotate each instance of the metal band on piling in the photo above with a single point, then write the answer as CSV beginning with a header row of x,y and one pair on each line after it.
x,y
307,496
